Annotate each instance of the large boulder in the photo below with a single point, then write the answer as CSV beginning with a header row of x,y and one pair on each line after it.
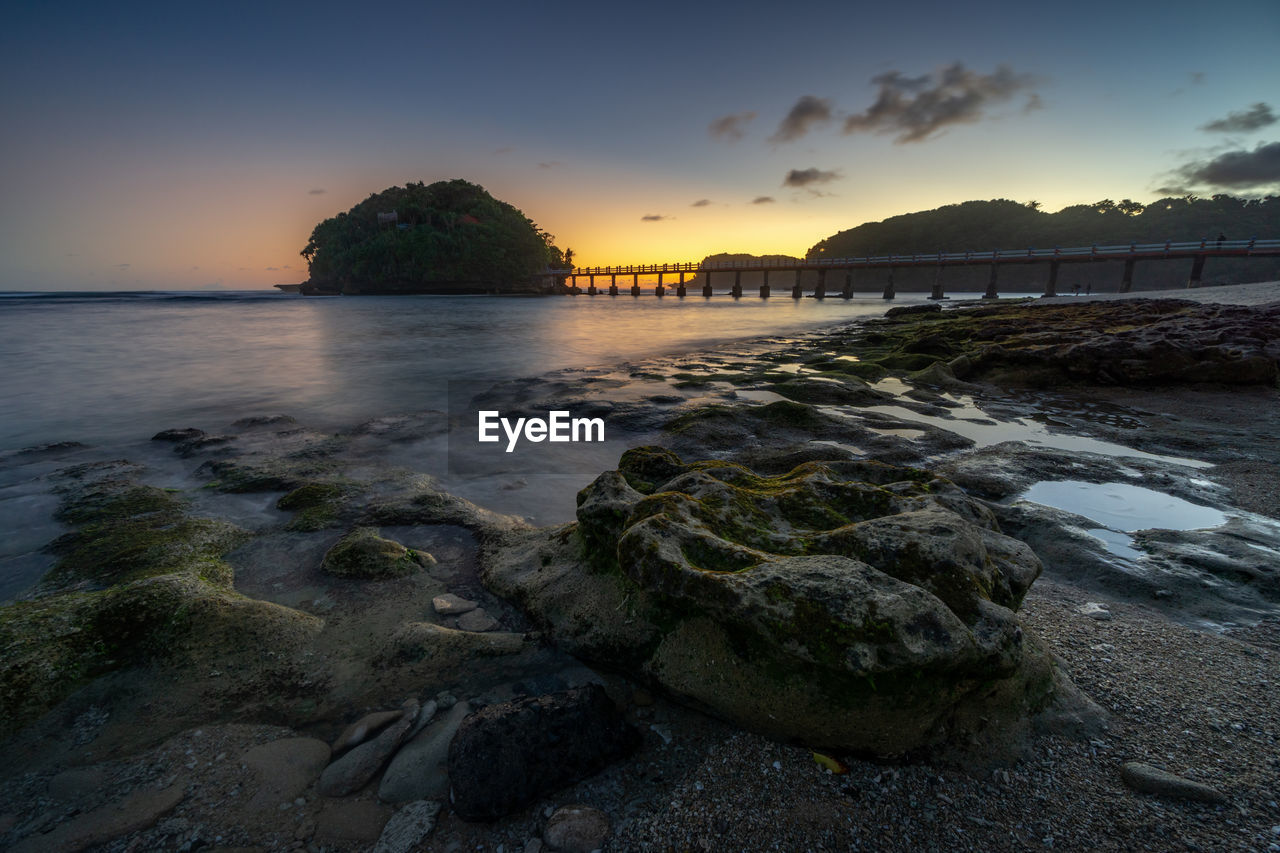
x,y
847,605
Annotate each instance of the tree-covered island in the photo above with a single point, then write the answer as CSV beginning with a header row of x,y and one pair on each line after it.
x,y
446,237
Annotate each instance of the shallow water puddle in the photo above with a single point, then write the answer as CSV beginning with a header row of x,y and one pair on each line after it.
x,y
1121,506
1122,509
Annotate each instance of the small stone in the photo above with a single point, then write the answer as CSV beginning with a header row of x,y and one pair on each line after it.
x,y
418,771
362,729
1095,610
533,845
576,829
1153,780
408,827
477,621
284,768
353,771
452,605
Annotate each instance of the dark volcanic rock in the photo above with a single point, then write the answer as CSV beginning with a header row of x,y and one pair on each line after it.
x,y
507,755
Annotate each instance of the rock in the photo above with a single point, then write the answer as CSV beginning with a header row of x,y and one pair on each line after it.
x,y
359,731
532,845
177,435
509,754
576,829
362,553
73,784
284,769
441,648
1153,780
135,812
477,620
408,828
354,770
420,770
451,605
851,606
1095,610
351,820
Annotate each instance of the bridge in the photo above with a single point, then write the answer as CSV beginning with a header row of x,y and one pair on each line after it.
x,y
1195,251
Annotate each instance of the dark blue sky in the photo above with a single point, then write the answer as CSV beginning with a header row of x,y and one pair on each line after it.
x,y
183,146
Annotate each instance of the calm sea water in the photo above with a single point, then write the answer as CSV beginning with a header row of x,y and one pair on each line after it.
x,y
101,368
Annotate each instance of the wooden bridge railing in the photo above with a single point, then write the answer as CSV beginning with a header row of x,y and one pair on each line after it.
x,y
1233,248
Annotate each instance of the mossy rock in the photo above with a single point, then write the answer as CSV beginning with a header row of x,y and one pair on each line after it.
x,y
364,554
847,605
316,506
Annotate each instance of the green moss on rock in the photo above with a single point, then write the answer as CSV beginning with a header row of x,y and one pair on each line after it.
x,y
364,554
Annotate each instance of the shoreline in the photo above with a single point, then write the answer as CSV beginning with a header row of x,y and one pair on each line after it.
x,y
696,781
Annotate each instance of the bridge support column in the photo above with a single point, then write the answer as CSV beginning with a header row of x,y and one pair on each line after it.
x,y
889,292
659,290
1126,283
706,288
635,285
796,292
937,284
737,284
992,293
613,285
764,288
1197,270
847,293
1051,286
680,290
591,288
820,292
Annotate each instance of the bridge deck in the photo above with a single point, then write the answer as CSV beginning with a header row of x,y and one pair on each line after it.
x,y
1079,254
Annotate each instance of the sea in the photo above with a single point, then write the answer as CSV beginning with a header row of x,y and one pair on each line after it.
x,y
110,370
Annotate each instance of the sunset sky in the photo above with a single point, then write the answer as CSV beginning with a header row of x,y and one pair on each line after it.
x,y
177,145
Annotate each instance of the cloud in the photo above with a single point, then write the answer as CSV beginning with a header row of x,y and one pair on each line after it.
x,y
805,177
702,202
317,192
732,127
807,112
549,164
763,199
916,108
1257,116
1235,170
653,217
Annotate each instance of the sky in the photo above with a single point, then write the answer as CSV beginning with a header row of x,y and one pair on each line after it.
x,y
195,145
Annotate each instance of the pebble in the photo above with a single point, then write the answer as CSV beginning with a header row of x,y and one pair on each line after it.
x,y
1095,610
452,605
359,731
576,829
1153,780
418,771
353,771
408,827
477,620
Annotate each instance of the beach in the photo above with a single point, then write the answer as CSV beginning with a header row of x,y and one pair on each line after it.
x,y
1169,631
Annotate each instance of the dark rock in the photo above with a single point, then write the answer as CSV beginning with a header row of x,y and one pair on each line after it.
x,y
362,553
509,754
176,435
1153,780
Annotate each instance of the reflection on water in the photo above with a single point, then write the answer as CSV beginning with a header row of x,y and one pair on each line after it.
x,y
1124,507
112,367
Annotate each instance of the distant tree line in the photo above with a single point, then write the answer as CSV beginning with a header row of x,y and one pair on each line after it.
x,y
1004,224
1009,225
450,236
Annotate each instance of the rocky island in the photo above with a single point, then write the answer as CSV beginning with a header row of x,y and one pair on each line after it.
x,y
812,608
445,237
